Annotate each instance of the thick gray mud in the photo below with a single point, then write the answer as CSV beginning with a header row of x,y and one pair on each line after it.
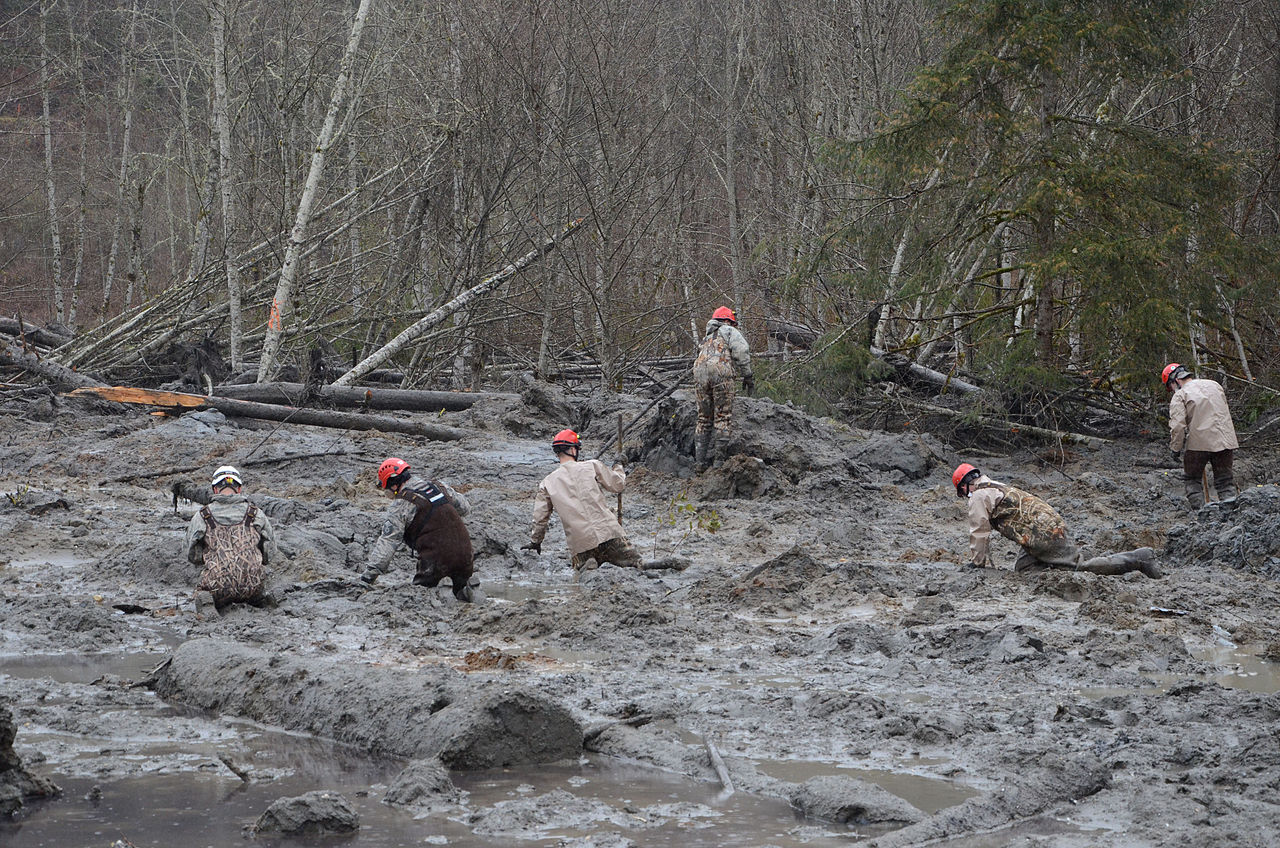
x,y
857,682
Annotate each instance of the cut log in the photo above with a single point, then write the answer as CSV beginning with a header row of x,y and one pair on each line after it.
x,y
11,353
356,397
273,412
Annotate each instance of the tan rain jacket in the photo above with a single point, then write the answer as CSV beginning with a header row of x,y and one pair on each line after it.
x,y
1199,418
576,490
229,509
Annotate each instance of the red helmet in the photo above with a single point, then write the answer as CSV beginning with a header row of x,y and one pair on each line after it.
x,y
565,439
1172,371
724,313
390,467
958,476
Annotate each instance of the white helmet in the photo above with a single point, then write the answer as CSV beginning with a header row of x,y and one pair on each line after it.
x,y
226,476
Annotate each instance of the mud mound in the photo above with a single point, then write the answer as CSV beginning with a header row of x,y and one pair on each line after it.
x,y
16,783
776,582
1243,534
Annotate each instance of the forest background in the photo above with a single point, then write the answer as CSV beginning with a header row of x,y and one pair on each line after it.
x,y
1042,193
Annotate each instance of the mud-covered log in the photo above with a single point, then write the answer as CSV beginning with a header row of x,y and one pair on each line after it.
x,y
355,397
1008,426
433,712
12,354
1068,780
274,412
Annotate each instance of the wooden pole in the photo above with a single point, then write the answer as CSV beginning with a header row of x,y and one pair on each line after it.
x,y
619,459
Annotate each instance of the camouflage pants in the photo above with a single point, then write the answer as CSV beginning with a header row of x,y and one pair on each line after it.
x,y
1054,553
715,409
618,551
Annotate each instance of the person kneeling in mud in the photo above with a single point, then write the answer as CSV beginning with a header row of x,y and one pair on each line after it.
x,y
427,516
576,490
233,541
1036,526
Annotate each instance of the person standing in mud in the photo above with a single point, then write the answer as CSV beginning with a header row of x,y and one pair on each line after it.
x,y
1200,433
426,515
1035,526
234,541
576,490
723,355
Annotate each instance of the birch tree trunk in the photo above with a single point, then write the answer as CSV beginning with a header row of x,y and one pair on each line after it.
x,y
462,301
222,120
281,302
122,180
46,124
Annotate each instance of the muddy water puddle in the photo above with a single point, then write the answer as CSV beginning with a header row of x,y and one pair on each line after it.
x,y
929,794
81,668
212,810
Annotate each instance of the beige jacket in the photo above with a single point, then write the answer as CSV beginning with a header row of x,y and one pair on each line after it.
x,y
1199,418
981,503
229,509
576,490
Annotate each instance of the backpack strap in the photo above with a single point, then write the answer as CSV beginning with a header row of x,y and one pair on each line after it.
x,y
207,516
250,514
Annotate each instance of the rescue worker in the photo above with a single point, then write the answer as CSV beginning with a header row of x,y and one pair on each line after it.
x,y
426,515
723,355
576,490
234,541
1036,526
1200,433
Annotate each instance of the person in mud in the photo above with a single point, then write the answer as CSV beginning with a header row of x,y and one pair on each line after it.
x,y
234,541
1036,526
576,490
723,355
427,516
1200,433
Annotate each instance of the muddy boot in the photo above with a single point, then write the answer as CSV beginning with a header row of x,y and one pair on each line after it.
x,y
1194,489
205,607
722,451
1226,486
463,593
701,445
1142,560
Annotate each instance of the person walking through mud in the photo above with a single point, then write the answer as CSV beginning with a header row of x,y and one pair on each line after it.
x,y
1200,433
1036,527
426,515
234,541
722,355
575,490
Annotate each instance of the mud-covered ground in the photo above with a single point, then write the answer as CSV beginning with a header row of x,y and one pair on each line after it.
x,y
825,629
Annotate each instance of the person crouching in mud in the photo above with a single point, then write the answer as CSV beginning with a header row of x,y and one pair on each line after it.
x,y
1036,526
576,491
427,516
233,541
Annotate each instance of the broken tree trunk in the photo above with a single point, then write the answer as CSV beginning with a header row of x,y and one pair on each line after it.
x,y
928,375
39,335
355,396
273,412
420,327
11,353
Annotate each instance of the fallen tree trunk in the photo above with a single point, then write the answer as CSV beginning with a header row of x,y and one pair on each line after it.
x,y
928,375
273,412
11,353
1007,426
41,336
1072,779
355,396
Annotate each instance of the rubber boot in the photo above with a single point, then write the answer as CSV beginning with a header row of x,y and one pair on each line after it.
x,y
701,441
1194,487
721,451
205,607
1226,486
1142,560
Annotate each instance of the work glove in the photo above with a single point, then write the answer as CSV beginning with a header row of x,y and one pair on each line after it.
x,y
749,385
1177,455
536,547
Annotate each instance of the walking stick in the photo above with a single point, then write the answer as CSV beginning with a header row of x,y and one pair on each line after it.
x,y
619,457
